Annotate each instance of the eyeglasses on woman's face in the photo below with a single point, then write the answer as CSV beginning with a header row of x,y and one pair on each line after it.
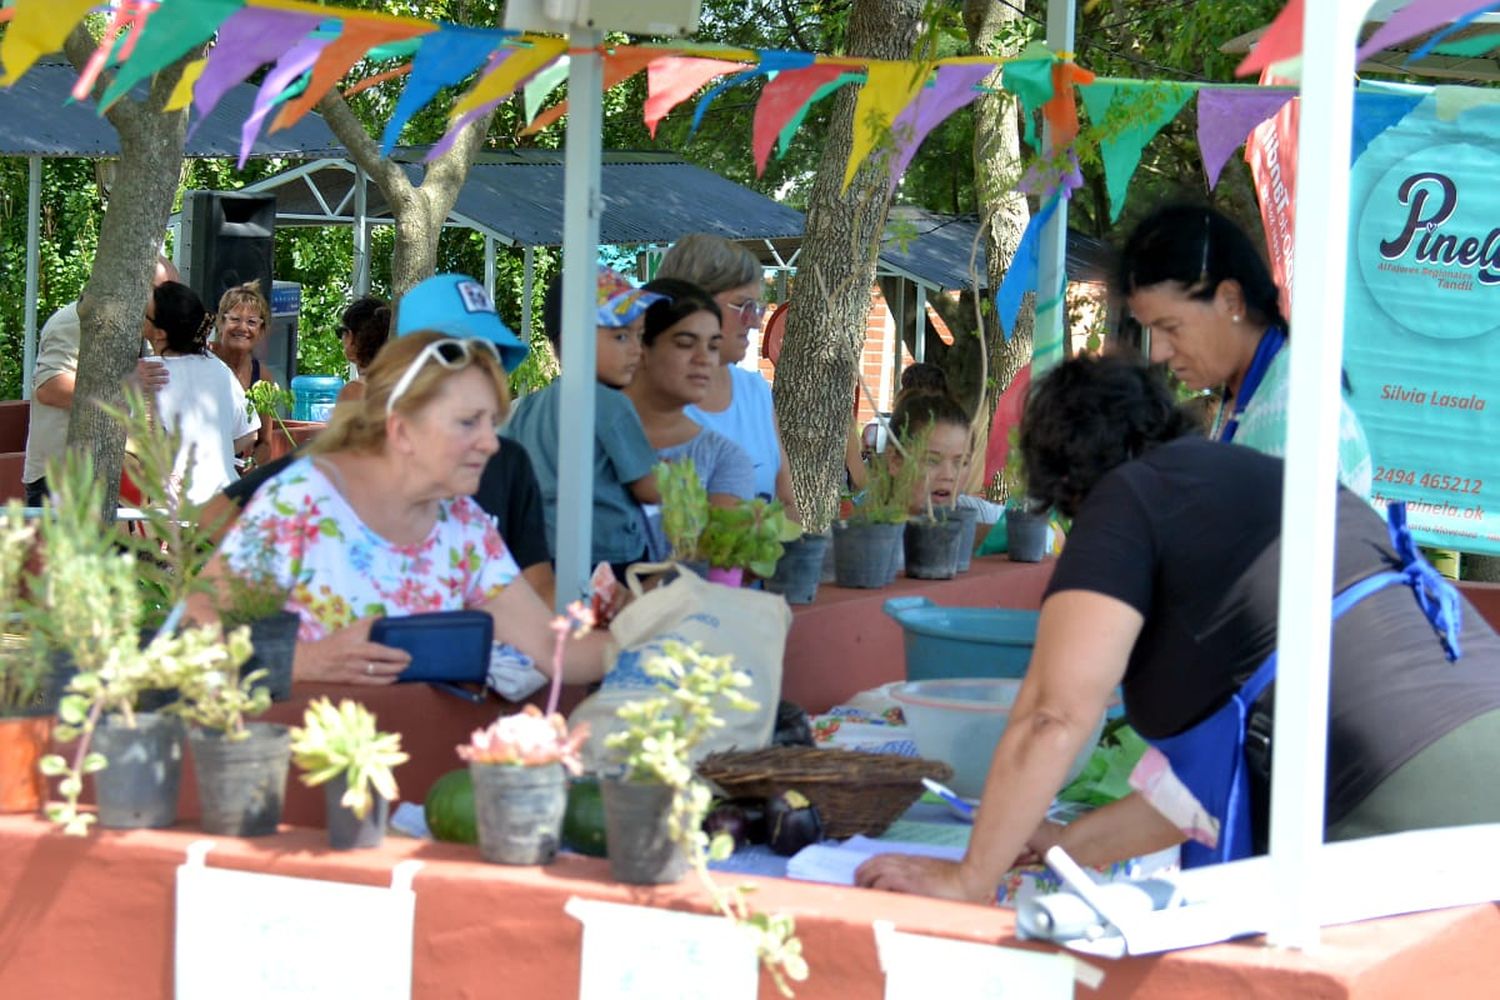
x,y
452,353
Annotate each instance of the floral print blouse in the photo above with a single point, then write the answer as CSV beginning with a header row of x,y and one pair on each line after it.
x,y
301,530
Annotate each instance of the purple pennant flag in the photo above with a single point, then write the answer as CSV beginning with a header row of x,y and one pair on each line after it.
x,y
952,88
1048,175
250,38
1415,18
1226,117
293,63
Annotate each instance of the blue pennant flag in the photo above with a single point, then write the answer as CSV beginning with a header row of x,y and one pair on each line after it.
x,y
1022,275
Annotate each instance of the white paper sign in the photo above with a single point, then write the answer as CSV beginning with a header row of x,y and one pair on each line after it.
x,y
918,967
250,936
640,952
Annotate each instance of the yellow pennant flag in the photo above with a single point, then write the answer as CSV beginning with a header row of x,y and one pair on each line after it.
x,y
510,74
182,94
889,87
36,28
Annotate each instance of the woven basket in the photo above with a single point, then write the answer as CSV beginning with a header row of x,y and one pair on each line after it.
x,y
855,792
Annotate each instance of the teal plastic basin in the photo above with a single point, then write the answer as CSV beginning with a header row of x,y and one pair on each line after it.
x,y
947,643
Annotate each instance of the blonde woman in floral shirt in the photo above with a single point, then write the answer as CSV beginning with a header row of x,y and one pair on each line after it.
x,y
378,521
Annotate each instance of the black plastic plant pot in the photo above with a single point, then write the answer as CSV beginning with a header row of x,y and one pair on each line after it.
x,y
932,547
641,848
1026,535
800,569
138,787
865,554
242,783
347,831
274,640
519,811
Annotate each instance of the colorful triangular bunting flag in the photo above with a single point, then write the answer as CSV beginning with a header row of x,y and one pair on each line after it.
x,y
1226,117
1144,108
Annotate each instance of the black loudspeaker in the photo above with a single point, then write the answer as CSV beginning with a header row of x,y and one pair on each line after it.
x,y
227,240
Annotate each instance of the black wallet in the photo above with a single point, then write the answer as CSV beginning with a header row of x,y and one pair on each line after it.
x,y
451,647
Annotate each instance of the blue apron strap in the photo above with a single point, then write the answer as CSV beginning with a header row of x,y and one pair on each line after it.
x,y
1437,598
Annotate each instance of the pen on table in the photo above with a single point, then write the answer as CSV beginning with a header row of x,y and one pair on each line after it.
x,y
947,795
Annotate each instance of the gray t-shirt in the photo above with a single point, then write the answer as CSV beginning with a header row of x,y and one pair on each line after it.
x,y
621,455
722,466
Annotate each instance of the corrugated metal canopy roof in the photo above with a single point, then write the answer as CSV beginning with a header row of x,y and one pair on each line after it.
x,y
935,249
39,118
517,196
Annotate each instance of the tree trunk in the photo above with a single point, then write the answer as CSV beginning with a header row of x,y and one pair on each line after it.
x,y
419,210
112,307
825,329
1003,213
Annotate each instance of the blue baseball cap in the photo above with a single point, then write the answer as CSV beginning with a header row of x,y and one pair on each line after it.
x,y
458,305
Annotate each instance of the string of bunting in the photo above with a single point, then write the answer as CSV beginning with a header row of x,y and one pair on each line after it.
x,y
312,48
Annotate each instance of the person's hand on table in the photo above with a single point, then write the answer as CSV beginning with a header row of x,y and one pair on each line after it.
x,y
921,876
349,657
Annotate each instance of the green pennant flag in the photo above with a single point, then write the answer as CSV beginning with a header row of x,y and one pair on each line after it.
x,y
544,83
168,35
1029,77
1126,115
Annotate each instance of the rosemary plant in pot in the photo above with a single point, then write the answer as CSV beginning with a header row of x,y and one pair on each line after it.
x,y
520,765
654,809
1025,523
867,544
25,725
340,749
87,609
253,596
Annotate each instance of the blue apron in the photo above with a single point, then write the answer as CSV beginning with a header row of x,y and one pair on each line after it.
x,y
1209,758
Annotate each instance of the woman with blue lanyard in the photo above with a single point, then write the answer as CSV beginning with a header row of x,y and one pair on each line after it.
x,y
1197,284
1168,588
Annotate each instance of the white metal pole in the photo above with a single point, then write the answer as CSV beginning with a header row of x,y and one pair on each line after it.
x,y
528,289
583,206
33,267
1052,249
489,265
1309,488
361,235
919,345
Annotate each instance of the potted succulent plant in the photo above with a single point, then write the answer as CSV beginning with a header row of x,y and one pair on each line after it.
x,y
25,725
240,766
520,765
684,511
748,536
340,749
655,807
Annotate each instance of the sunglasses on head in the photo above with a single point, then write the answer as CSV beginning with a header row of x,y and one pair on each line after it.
x,y
451,352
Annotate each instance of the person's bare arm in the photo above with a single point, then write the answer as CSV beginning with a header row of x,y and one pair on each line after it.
x,y
645,489
56,391
543,581
522,620
1128,828
1083,643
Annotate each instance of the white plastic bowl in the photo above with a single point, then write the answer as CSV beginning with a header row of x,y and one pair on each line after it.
x,y
959,722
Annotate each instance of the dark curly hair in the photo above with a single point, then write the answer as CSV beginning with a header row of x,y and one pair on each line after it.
x,y
1198,248
179,314
368,323
1089,415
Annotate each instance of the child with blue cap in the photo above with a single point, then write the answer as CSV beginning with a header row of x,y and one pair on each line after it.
x,y
623,457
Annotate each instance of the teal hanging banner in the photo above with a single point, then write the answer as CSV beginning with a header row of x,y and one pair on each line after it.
x,y
1422,344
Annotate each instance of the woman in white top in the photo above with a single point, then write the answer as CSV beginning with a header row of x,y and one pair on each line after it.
x,y
202,399
738,402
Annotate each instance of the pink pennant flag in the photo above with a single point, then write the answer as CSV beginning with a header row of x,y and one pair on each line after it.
x,y
952,88
1226,117
780,100
1417,17
250,38
674,79
1282,40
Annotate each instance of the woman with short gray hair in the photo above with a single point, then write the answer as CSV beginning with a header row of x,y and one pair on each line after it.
x,y
738,403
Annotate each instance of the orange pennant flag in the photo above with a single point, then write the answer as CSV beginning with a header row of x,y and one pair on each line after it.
x,y
673,79
1282,40
1061,109
619,66
359,35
